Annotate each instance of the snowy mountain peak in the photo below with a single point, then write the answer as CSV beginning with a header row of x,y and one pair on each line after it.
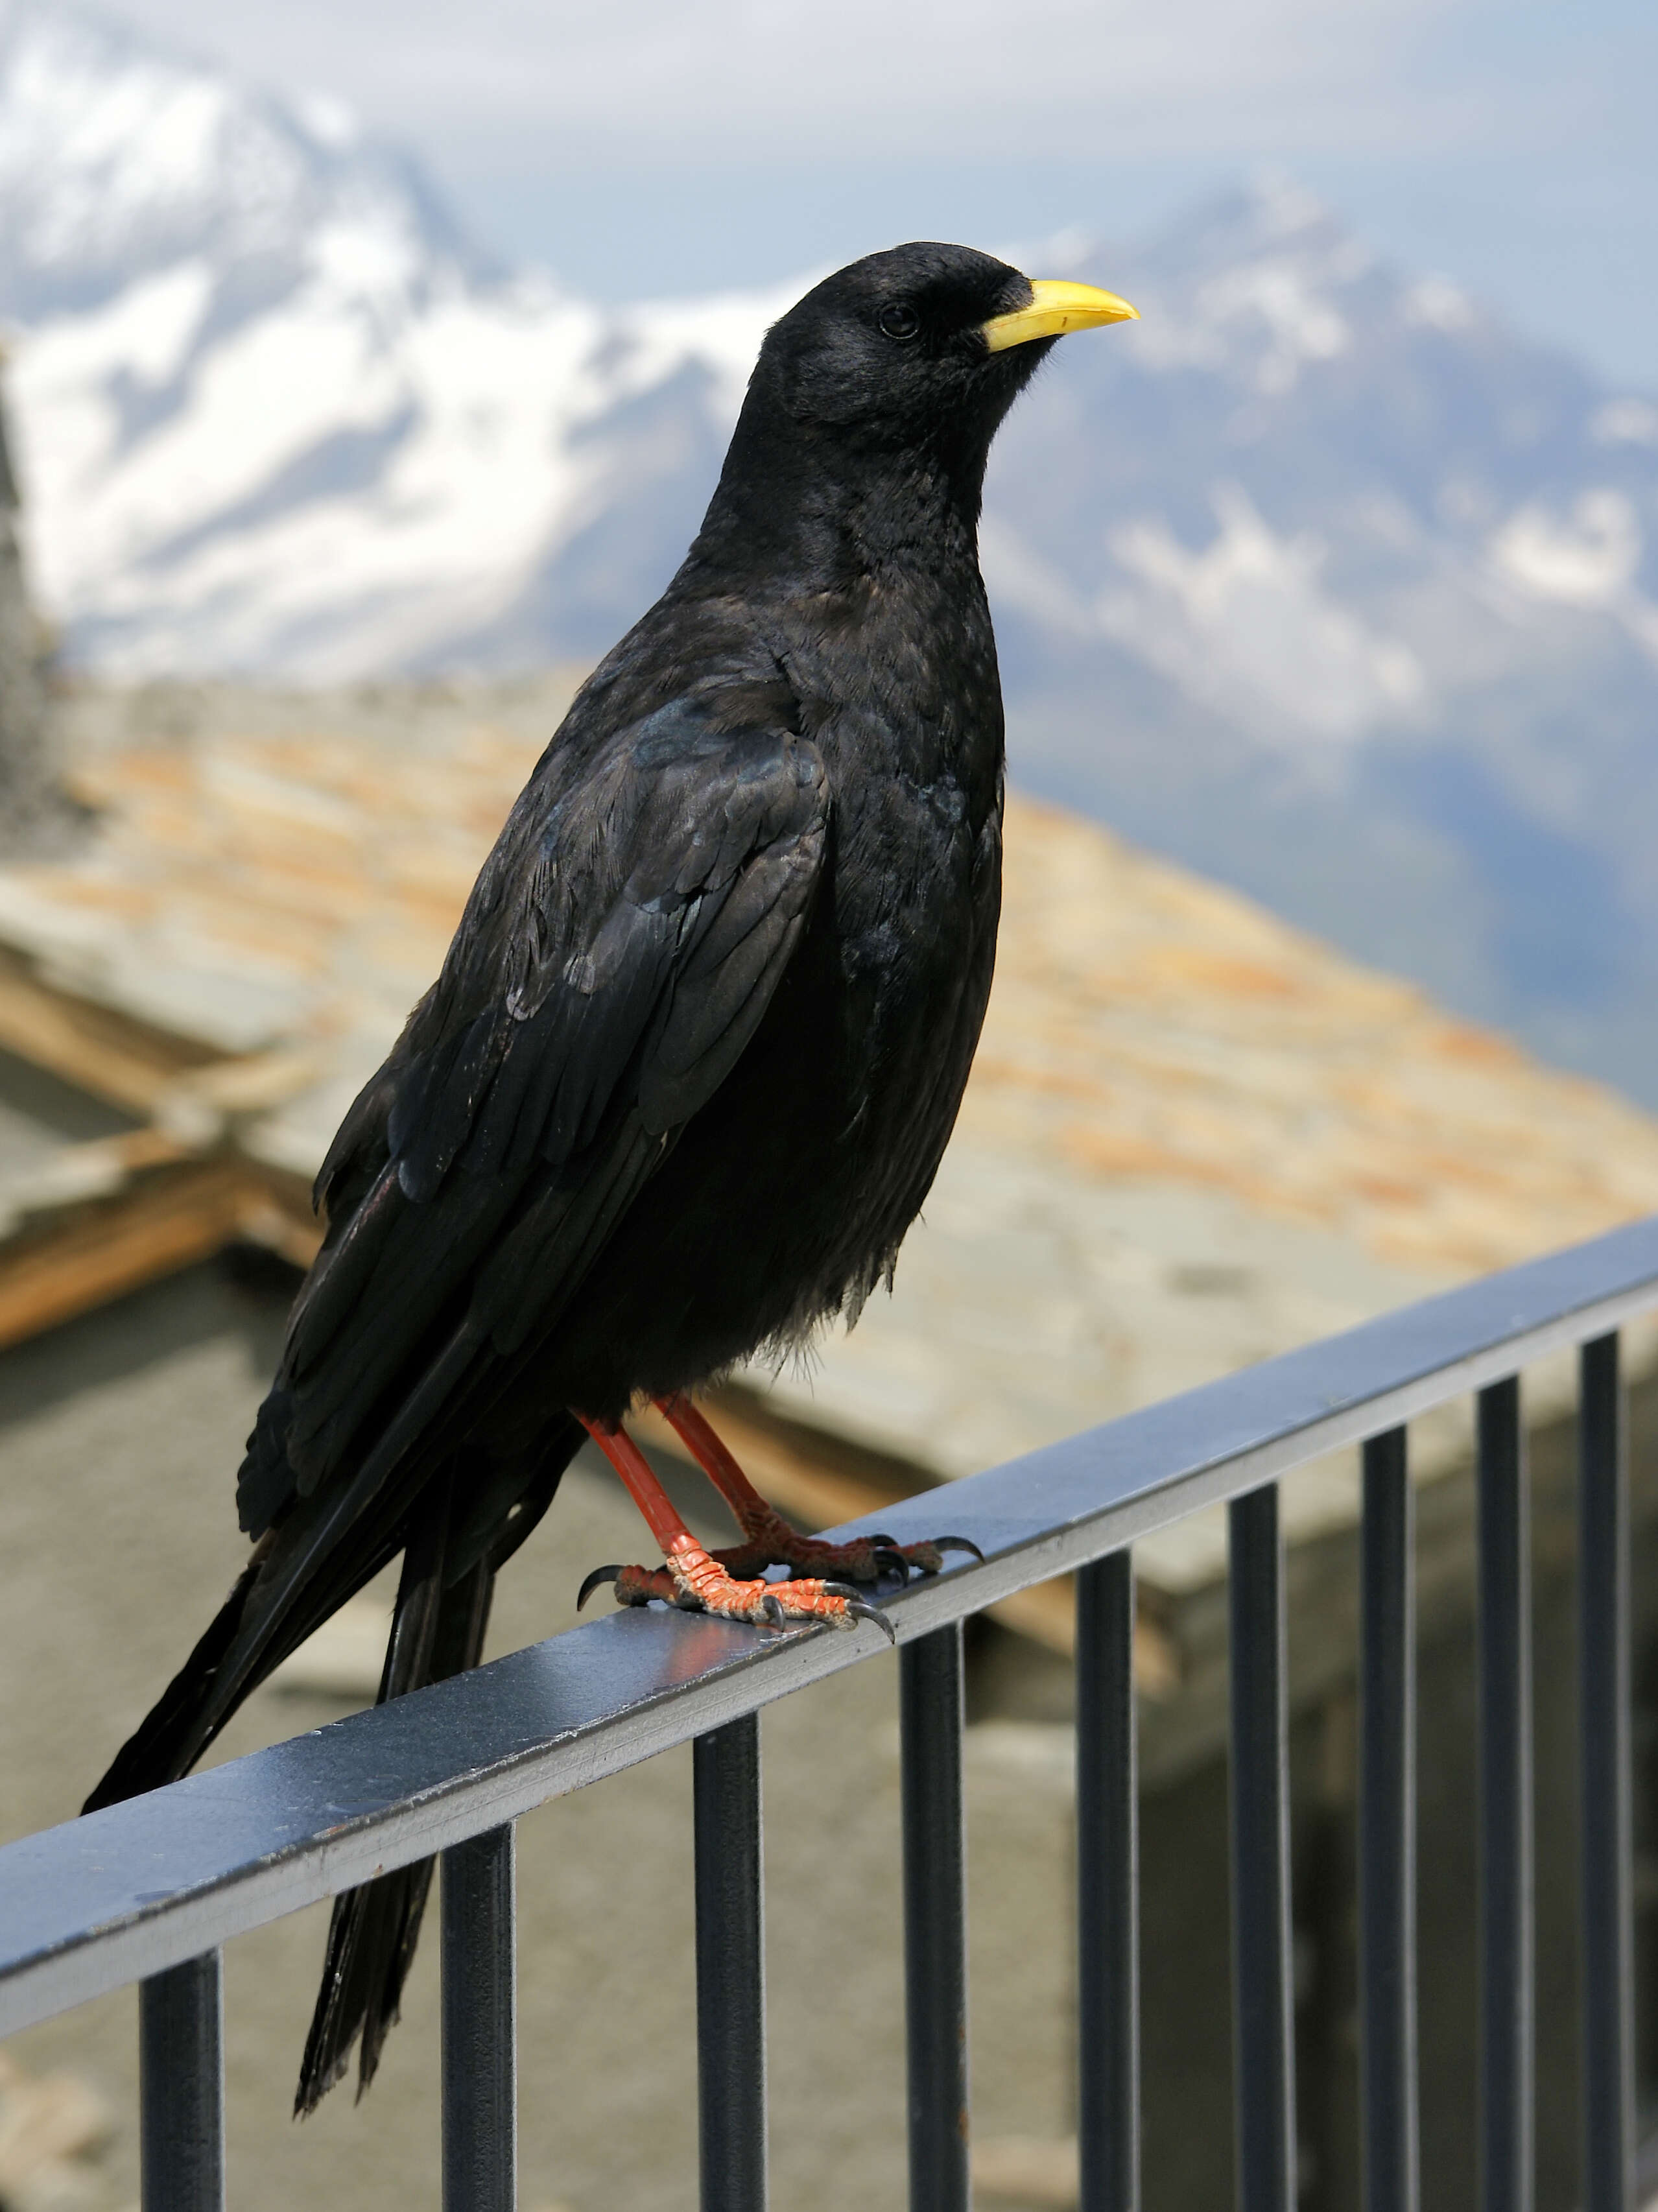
x,y
118,159
1263,280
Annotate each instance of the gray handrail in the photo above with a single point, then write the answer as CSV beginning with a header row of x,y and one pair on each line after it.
x,y
88,1906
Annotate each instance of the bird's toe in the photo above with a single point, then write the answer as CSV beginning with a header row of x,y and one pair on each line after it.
x,y
928,1559
702,1582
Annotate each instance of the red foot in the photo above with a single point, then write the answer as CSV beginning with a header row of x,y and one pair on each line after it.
x,y
770,1539
698,1581
730,1582
772,1542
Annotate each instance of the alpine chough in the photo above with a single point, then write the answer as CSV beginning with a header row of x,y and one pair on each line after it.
x,y
692,1060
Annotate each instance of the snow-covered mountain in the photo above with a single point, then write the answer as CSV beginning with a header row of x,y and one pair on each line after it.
x,y
1330,585
275,413
1317,577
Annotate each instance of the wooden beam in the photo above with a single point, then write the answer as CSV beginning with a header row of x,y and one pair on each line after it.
x,y
169,1220
94,1047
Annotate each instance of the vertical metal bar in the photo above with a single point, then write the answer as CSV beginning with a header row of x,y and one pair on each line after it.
x,y
1506,1972
1108,1889
181,2088
1386,1884
1262,1998
480,2055
1604,1695
935,1919
731,1967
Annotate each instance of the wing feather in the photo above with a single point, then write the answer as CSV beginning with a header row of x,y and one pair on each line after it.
x,y
619,951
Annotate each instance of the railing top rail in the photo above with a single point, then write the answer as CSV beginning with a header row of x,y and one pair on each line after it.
x,y
99,1902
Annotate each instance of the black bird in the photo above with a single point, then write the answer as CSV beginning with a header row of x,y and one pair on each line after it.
x,y
691,1062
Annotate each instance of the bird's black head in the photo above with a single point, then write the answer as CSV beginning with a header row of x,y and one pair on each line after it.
x,y
885,385
891,349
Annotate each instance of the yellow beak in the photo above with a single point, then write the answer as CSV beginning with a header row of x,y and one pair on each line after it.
x,y
1056,307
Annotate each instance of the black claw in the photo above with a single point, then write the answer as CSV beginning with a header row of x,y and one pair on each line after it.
x,y
958,1544
599,1574
773,1609
858,1611
891,1561
890,1542
841,1590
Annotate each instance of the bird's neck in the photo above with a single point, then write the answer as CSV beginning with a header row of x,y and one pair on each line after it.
x,y
809,506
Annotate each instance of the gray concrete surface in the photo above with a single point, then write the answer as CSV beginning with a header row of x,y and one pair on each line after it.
x,y
118,1440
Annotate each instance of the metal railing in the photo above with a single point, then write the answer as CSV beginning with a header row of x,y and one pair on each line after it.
x,y
148,1891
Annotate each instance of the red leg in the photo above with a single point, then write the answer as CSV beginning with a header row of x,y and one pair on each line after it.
x,y
700,1580
770,1539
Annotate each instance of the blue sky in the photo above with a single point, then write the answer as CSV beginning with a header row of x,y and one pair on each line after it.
x,y
645,146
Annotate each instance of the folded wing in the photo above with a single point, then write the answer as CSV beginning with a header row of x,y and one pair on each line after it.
x,y
618,951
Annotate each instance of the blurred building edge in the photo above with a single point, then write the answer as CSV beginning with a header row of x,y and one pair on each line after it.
x,y
35,811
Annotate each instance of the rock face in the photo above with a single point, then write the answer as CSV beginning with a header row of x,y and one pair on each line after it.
x,y
29,800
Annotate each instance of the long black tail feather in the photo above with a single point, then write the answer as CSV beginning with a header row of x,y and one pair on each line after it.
x,y
437,1631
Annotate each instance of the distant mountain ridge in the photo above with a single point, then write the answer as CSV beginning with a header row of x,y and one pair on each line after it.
x,y
1318,578
1330,586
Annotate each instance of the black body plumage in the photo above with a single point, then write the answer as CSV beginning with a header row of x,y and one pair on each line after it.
x,y
698,1043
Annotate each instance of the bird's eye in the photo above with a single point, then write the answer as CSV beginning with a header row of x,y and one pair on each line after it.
x,y
899,322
